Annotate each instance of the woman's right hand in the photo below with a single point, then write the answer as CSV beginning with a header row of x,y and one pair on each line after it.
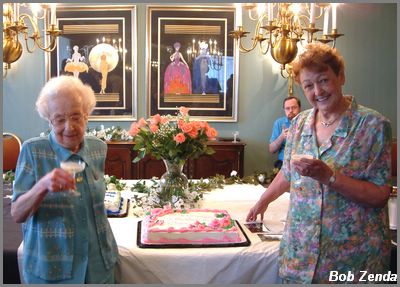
x,y
58,180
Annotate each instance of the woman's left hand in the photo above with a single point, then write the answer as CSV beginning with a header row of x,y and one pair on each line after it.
x,y
314,168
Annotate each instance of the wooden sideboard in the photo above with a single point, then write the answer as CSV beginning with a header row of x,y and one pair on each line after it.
x,y
228,156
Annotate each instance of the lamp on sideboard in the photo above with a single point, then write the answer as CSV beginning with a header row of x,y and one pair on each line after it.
x,y
282,27
17,22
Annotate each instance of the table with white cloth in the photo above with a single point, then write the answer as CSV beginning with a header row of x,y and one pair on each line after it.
x,y
256,263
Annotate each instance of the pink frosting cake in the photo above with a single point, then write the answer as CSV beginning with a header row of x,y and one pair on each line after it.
x,y
190,226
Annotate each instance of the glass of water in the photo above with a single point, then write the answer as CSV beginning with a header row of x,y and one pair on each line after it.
x,y
296,177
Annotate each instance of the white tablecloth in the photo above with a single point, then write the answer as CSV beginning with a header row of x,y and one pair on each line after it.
x,y
256,263
253,264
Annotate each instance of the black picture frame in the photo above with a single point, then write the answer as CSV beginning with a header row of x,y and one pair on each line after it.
x,y
105,57
211,96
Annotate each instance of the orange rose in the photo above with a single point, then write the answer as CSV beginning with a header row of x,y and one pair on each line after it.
x,y
204,125
197,125
193,133
181,123
180,138
186,128
134,130
211,133
142,123
154,128
155,119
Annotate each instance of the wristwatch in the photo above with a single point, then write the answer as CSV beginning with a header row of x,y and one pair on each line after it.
x,y
332,179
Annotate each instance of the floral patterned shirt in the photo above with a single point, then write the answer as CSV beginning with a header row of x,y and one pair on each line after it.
x,y
326,231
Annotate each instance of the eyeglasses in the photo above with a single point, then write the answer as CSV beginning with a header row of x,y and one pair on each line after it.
x,y
75,119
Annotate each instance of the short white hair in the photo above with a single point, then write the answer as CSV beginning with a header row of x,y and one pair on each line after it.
x,y
62,86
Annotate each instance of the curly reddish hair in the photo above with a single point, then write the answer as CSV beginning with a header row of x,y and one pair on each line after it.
x,y
318,57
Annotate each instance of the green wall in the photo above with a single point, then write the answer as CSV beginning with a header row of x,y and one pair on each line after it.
x,y
369,49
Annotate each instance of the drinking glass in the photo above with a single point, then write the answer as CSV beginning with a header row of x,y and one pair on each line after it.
x,y
73,167
296,177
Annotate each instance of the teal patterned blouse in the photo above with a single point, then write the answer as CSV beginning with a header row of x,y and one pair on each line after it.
x,y
68,239
324,230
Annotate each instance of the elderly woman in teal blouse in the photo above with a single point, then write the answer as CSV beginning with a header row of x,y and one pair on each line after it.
x,y
67,237
337,220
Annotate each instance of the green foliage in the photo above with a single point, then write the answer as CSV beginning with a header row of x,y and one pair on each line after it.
x,y
113,180
8,176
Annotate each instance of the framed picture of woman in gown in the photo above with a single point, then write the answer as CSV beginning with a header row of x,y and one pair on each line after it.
x,y
98,45
192,61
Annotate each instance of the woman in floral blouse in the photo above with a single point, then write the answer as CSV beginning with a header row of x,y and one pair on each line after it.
x,y
337,222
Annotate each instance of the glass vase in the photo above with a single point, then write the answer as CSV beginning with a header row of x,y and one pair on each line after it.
x,y
173,183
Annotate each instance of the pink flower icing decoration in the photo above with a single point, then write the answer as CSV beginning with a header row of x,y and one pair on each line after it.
x,y
214,224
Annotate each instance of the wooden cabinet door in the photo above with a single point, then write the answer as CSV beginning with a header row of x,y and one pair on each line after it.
x,y
119,160
227,157
148,167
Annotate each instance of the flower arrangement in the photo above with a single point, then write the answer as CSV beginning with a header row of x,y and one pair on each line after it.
x,y
173,138
147,197
115,133
112,182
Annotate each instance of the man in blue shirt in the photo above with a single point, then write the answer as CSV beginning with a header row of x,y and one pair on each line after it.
x,y
291,106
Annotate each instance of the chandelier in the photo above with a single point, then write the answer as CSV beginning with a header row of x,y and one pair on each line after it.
x,y
209,50
282,27
16,22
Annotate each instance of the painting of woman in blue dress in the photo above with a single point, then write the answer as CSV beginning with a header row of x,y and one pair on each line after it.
x,y
202,83
177,78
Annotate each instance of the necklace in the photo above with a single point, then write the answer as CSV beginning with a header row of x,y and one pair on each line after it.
x,y
328,123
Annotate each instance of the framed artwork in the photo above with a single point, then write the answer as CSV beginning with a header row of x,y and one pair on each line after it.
x,y
98,45
192,61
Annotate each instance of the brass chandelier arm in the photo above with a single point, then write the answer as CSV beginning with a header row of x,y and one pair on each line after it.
x,y
53,33
254,42
258,36
35,33
36,36
264,52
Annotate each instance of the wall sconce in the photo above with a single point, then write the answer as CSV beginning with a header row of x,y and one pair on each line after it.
x,y
280,28
16,23
210,50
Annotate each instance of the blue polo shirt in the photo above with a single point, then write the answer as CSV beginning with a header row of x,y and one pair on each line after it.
x,y
68,239
279,124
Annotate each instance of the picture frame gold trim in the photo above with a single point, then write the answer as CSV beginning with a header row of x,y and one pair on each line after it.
x,y
215,101
85,26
